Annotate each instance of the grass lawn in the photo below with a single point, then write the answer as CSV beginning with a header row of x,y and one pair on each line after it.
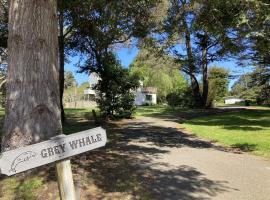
x,y
79,119
248,130
165,111
154,110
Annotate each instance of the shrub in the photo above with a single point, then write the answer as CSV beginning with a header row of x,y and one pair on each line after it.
x,y
115,91
180,98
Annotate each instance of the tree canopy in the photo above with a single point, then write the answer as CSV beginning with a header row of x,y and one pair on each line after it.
x,y
158,71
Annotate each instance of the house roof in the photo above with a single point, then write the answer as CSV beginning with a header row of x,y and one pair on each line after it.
x,y
228,98
151,90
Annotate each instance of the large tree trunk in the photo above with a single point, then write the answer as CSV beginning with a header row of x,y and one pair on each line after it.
x,y
196,91
61,63
205,71
32,103
192,68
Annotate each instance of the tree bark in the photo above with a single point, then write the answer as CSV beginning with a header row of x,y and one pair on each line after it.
x,y
205,71
61,63
32,102
194,83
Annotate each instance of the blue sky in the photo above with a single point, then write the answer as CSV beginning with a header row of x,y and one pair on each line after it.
x,y
126,56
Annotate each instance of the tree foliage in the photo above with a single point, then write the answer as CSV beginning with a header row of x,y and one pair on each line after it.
x,y
115,90
253,86
198,33
160,72
69,80
218,84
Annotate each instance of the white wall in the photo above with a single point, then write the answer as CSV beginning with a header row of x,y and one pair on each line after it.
x,y
233,100
140,98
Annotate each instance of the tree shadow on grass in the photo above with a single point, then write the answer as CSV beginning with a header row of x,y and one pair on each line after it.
x,y
246,147
247,120
182,115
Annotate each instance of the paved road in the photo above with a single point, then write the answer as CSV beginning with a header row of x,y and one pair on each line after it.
x,y
175,165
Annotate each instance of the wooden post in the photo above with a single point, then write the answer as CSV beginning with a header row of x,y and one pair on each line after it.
x,y
65,180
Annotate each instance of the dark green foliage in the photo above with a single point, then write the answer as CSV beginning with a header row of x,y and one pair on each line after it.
x,y
3,26
253,86
218,84
115,97
181,99
204,32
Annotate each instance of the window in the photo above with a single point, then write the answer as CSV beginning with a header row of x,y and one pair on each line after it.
x,y
148,97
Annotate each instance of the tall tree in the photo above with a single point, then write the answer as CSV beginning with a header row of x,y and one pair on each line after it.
x,y
203,29
32,102
87,27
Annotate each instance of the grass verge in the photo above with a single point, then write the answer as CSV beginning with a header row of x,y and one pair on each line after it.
x,y
248,130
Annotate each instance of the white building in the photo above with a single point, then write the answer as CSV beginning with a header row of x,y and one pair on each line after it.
x,y
146,96
90,92
233,100
143,95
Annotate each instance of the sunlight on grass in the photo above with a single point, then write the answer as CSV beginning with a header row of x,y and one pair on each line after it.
x,y
248,130
157,110
24,189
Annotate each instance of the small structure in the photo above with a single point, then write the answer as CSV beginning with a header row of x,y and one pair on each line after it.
x,y
143,95
90,93
233,100
146,96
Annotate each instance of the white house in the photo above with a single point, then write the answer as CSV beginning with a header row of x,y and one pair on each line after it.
x,y
233,100
145,95
90,92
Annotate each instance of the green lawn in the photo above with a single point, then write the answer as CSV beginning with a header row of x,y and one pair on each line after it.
x,y
154,110
165,111
78,119
248,130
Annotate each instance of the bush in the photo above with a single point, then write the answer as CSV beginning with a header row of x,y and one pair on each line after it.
x,y
115,97
181,99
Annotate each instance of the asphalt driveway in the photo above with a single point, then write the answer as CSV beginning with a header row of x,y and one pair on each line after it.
x,y
176,165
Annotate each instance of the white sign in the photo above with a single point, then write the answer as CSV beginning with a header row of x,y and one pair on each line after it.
x,y
57,148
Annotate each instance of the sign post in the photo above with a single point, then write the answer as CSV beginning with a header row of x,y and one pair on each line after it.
x,y
56,149
65,180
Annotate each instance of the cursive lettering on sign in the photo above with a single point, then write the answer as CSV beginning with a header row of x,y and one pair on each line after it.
x,y
22,158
